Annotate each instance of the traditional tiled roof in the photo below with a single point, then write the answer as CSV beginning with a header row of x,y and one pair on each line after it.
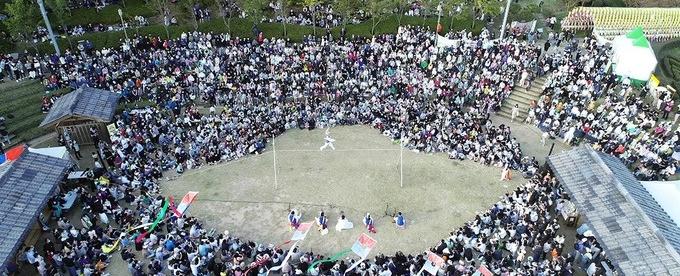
x,y
96,104
25,187
636,233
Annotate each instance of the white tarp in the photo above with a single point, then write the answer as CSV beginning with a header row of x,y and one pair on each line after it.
x,y
633,59
443,42
526,27
58,152
666,193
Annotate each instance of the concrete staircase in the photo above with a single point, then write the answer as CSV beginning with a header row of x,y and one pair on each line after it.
x,y
522,98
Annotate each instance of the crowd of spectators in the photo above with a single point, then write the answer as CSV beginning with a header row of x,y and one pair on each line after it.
x,y
399,84
518,235
319,15
41,35
583,101
402,85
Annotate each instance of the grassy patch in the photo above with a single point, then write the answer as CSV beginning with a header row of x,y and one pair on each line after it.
x,y
20,104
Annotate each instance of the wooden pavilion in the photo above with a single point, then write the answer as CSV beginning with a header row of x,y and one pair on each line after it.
x,y
78,111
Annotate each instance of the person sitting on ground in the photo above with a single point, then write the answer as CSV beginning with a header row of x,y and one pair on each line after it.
x,y
400,221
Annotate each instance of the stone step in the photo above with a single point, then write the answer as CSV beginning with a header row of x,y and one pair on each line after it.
x,y
534,90
521,95
508,114
510,102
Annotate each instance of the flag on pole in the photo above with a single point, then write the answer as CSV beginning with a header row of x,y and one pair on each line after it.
x,y
301,232
184,204
362,246
330,259
159,218
433,263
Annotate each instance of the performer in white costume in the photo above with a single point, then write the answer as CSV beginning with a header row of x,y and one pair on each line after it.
x,y
343,223
328,141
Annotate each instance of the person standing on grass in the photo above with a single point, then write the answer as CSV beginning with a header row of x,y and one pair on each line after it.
x,y
368,222
328,141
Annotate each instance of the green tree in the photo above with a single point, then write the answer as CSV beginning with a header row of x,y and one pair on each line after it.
x,y
23,19
59,9
311,5
161,7
346,9
188,7
484,7
282,10
253,9
225,9
401,6
454,8
377,9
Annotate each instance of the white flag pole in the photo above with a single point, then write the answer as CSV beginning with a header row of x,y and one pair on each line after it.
x,y
401,161
421,271
354,265
285,260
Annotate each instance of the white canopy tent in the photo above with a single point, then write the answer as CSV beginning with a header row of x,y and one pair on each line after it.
x,y
666,193
633,56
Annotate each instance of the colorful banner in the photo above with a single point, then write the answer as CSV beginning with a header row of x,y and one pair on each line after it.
x,y
363,245
433,263
285,259
184,204
159,218
301,232
330,259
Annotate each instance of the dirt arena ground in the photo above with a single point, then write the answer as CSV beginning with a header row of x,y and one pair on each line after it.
x,y
361,175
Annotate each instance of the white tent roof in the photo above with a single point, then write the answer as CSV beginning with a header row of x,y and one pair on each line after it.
x,y
633,56
666,193
58,152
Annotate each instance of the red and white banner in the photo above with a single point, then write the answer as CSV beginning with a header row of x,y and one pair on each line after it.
x,y
433,263
301,232
362,246
184,204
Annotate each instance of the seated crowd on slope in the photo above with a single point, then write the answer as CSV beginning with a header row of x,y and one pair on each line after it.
x,y
402,85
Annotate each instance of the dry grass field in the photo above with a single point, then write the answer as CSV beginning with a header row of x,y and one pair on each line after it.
x,y
361,175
